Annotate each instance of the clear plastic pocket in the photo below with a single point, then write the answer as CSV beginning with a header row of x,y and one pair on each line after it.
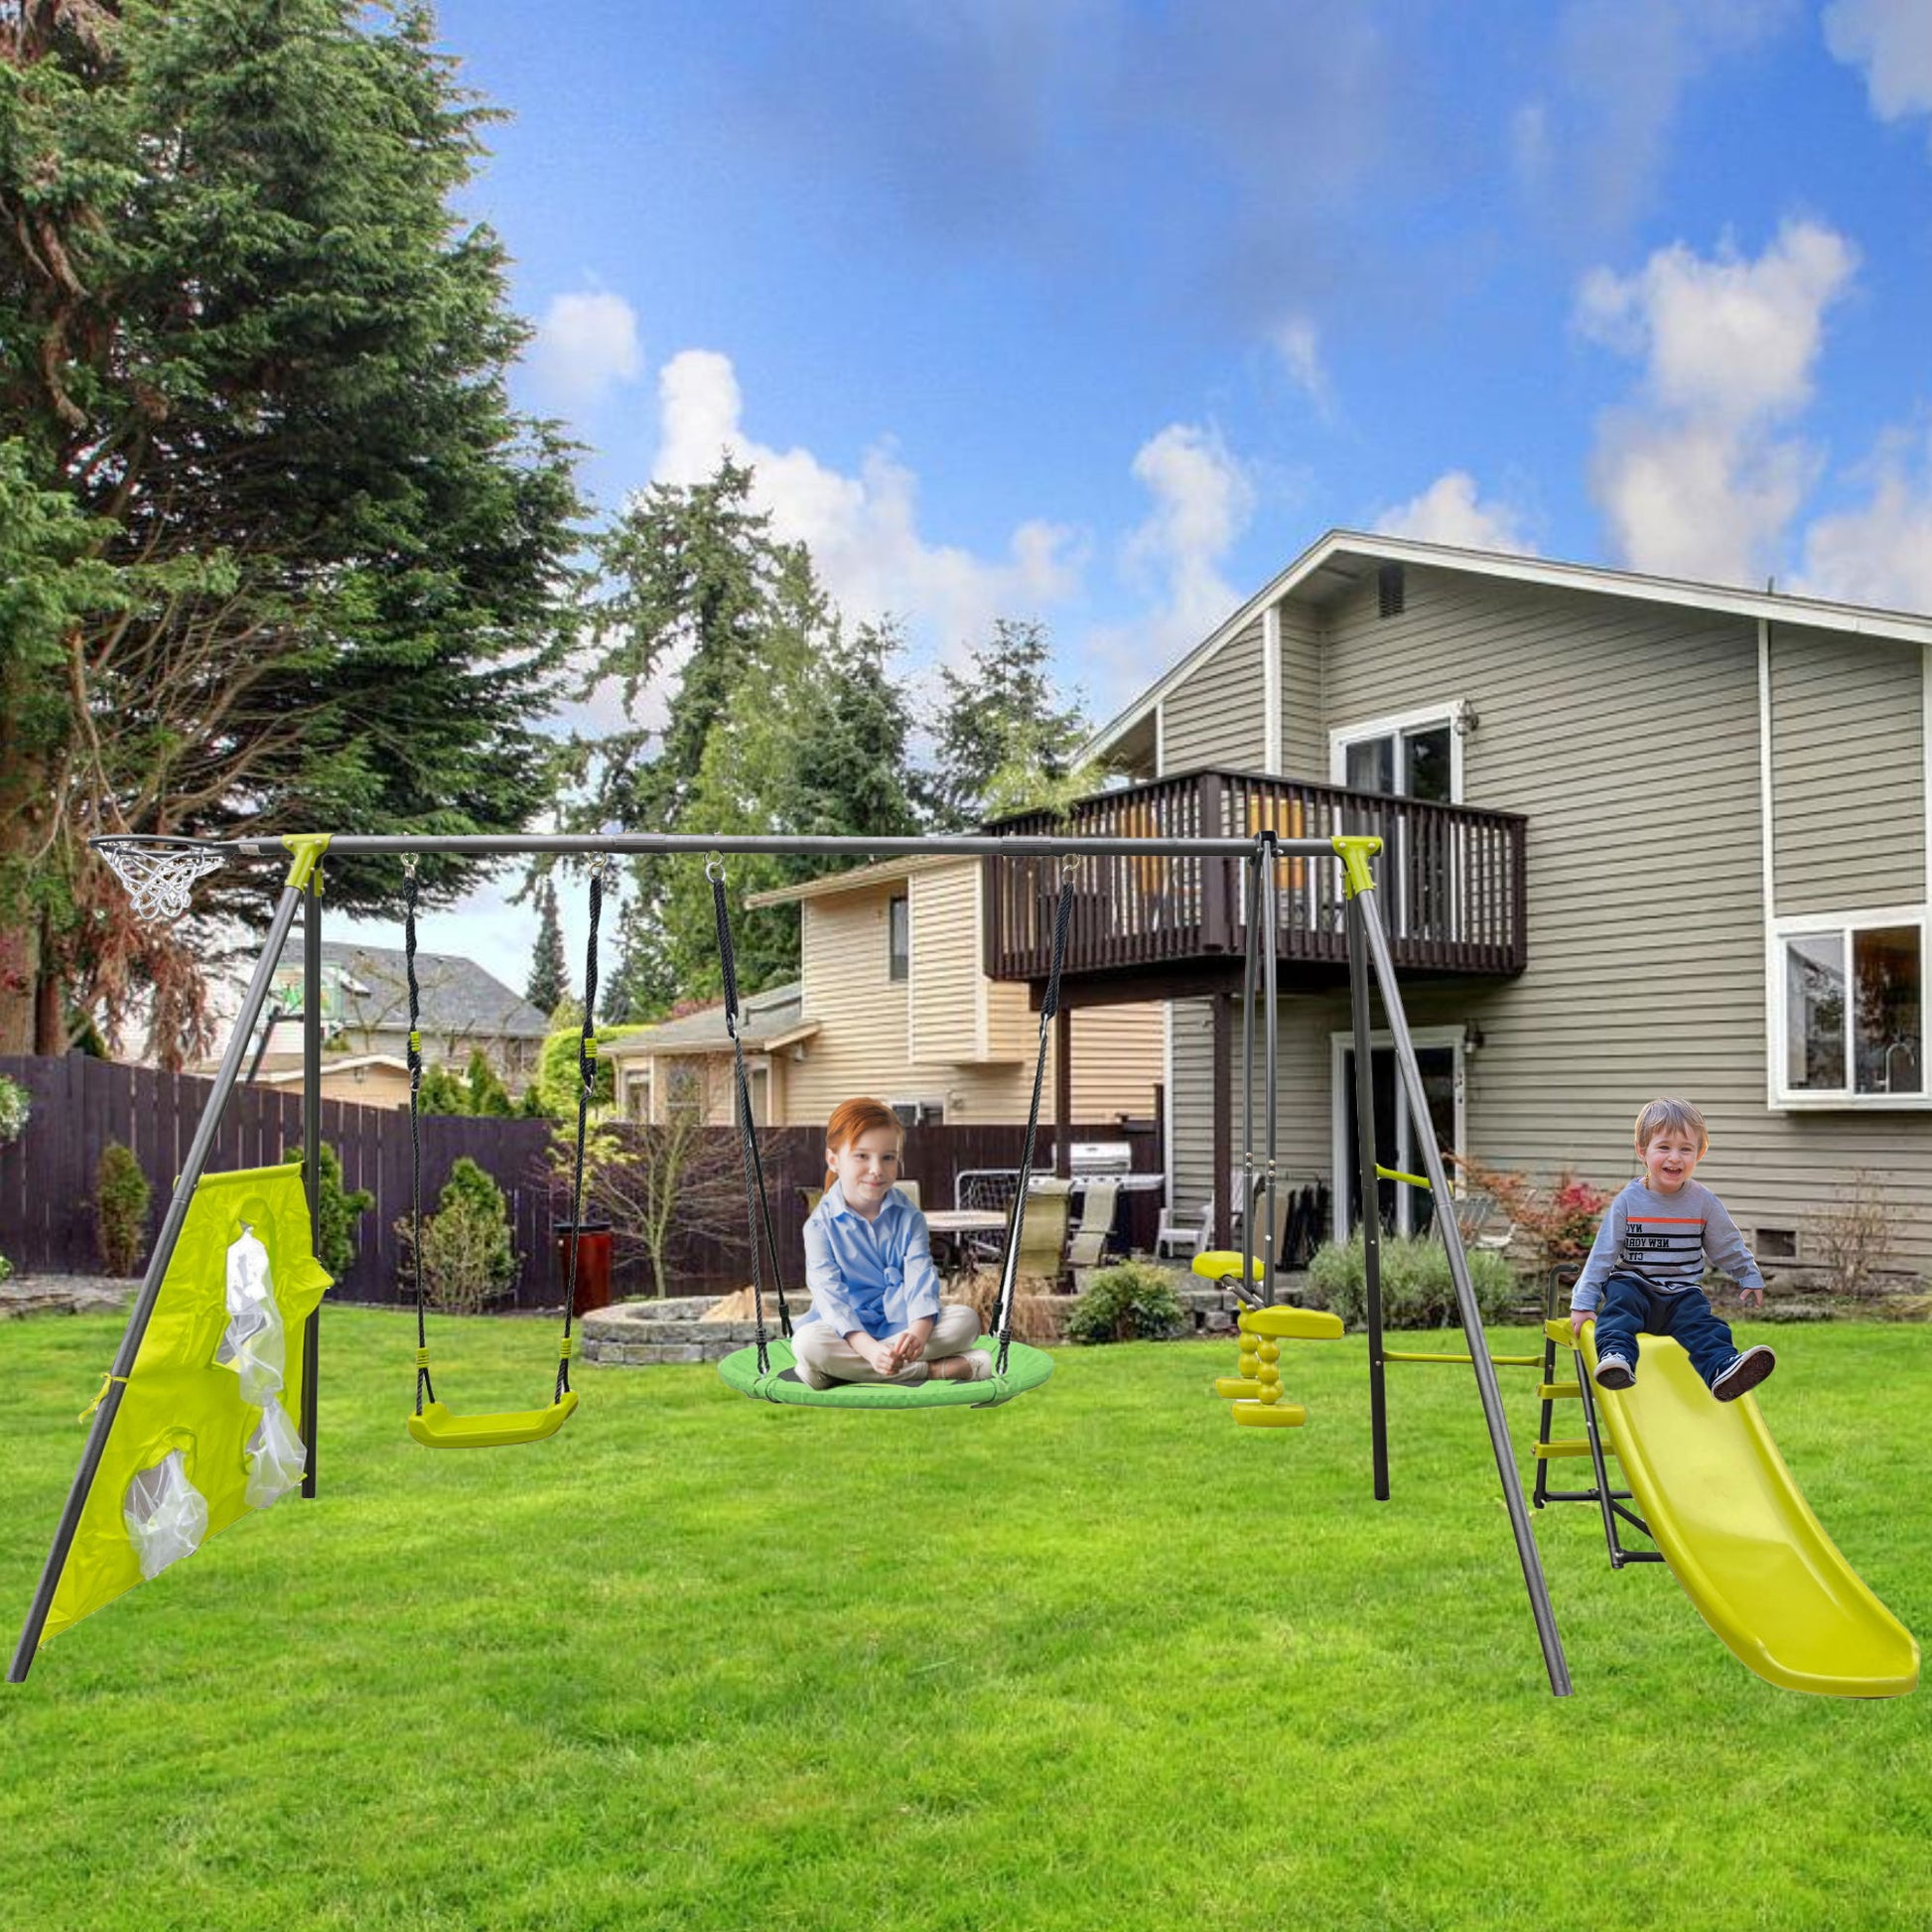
x,y
165,1515
276,1457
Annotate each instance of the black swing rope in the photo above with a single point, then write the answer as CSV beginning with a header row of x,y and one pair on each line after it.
x,y
587,1081
758,1204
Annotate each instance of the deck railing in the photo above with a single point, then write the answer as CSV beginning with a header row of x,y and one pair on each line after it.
x,y
1449,879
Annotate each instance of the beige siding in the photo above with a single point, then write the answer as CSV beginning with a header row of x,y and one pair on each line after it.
x,y
1847,750
1304,742
1216,715
1116,1061
1646,914
880,1037
945,961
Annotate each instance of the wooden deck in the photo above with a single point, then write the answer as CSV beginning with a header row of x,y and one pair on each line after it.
x,y
1450,885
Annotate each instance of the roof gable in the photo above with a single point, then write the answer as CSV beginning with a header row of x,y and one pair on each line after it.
x,y
1343,558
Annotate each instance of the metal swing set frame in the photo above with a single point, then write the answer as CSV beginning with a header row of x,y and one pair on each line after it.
x,y
1369,958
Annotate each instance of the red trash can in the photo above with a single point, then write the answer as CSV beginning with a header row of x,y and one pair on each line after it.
x,y
593,1263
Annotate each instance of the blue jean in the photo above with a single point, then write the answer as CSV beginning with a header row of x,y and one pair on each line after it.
x,y
1630,1304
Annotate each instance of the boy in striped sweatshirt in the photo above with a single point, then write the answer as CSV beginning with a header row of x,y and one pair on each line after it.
x,y
1649,1259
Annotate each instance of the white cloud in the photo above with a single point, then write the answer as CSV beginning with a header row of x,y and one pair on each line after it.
x,y
1692,472
1299,344
1882,553
1891,40
1203,498
862,530
1450,511
585,345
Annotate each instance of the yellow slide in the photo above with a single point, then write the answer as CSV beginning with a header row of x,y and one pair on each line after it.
x,y
1740,1538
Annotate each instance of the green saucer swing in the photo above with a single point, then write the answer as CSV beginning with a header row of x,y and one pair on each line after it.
x,y
767,1369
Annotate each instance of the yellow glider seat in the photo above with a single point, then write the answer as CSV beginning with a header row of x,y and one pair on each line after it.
x,y
436,1428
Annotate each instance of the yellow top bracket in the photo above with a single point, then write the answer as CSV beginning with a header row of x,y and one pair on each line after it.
x,y
1355,850
307,848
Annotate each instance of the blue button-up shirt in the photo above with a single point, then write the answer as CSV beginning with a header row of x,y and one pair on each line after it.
x,y
873,1275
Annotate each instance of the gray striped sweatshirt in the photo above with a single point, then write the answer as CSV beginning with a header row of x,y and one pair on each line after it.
x,y
1668,1239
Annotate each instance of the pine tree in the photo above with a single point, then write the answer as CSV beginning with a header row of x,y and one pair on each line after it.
x,y
1005,743
549,970
292,562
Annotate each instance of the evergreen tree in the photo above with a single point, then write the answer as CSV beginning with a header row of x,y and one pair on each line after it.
x,y
1005,743
695,573
549,970
280,555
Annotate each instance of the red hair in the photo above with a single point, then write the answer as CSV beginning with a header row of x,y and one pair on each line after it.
x,y
851,1118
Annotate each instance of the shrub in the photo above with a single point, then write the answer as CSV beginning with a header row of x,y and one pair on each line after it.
x,y
120,1209
1852,1236
1416,1292
1561,1218
1131,1302
468,1260
337,1212
16,1108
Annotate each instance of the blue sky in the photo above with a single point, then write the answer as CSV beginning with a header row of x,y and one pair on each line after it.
x,y
1099,313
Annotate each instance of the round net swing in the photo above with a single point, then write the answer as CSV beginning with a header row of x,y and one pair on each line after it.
x,y
158,869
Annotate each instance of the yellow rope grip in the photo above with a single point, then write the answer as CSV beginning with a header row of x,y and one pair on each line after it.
x,y
107,1377
422,1358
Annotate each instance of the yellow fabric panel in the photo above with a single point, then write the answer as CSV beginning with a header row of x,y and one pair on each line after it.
x,y
1287,819
178,1397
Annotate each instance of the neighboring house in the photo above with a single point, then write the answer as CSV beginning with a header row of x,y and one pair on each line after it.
x,y
365,1018
893,1001
1644,836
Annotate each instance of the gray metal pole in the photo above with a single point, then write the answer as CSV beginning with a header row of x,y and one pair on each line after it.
x,y
1027,846
1271,1082
164,1249
1251,899
312,1151
1368,1197
1493,1402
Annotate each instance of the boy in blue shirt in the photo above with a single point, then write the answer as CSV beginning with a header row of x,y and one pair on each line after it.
x,y
1649,1259
875,1314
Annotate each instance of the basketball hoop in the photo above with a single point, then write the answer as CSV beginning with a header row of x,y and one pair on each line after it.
x,y
160,870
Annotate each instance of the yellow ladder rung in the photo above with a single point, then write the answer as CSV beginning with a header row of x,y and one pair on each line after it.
x,y
1555,1390
1499,1361
1580,1446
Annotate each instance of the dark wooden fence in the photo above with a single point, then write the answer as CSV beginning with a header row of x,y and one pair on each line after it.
x,y
47,1176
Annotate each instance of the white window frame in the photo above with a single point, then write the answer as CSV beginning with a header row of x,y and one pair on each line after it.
x,y
918,1100
1343,1156
1451,711
1788,1099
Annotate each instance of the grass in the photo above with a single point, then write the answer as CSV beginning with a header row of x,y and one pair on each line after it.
x,y
1094,1660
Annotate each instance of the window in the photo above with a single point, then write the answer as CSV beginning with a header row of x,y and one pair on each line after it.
x,y
1851,1012
921,1113
898,938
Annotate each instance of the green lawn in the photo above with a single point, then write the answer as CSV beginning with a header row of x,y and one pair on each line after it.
x,y
1098,1659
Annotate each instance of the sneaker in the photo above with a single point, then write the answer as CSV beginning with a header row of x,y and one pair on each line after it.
x,y
1613,1372
1747,1372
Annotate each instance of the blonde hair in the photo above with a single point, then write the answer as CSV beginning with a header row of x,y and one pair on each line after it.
x,y
851,1118
1663,1115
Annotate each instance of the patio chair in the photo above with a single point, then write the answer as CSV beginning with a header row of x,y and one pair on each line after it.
x,y
1175,1233
1096,1228
1042,1237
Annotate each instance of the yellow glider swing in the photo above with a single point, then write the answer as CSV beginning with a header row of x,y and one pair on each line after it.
x,y
434,1425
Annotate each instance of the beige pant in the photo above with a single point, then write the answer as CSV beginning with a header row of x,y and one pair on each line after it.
x,y
824,1356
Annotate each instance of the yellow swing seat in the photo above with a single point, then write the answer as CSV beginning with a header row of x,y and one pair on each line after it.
x,y
438,1427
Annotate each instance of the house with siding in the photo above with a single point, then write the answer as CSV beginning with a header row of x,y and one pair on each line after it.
x,y
1641,836
893,1001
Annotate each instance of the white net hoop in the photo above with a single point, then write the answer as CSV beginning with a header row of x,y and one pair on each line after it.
x,y
160,875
